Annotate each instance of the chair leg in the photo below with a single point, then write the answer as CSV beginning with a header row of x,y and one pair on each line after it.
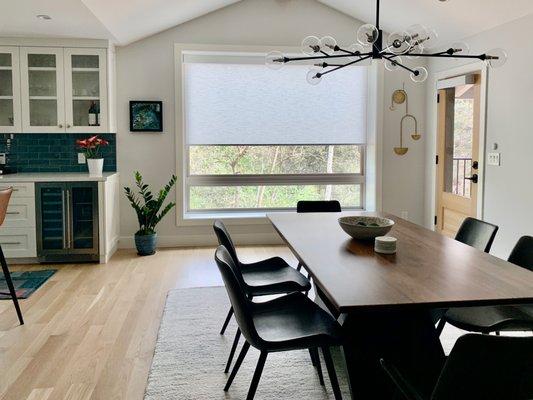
x,y
257,375
331,372
440,326
232,351
237,365
312,354
317,364
226,322
9,282
299,267
497,333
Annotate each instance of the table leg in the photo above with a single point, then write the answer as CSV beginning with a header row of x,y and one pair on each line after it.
x,y
406,338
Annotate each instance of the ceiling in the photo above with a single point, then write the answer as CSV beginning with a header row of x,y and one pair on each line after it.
x,y
125,21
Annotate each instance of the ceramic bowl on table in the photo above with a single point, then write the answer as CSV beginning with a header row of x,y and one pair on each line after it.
x,y
365,227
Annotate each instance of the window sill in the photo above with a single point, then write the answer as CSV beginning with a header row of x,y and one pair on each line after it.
x,y
229,217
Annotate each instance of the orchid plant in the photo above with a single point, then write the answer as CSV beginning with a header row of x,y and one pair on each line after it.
x,y
91,146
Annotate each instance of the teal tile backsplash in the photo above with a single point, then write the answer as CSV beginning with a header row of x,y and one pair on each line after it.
x,y
52,152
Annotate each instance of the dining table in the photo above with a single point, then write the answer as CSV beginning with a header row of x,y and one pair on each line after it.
x,y
388,305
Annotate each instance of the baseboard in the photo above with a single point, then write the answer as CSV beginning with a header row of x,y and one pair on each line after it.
x,y
127,242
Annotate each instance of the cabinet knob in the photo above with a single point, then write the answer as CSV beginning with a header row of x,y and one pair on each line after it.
x,y
60,125
68,126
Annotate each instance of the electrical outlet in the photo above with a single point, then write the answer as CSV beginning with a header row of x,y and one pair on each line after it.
x,y
81,158
493,159
405,215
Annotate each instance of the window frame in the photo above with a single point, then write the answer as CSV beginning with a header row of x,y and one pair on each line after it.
x,y
370,191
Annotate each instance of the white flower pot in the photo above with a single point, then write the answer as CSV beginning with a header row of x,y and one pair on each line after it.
x,y
95,166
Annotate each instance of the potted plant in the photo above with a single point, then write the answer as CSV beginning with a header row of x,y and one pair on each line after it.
x,y
148,212
91,149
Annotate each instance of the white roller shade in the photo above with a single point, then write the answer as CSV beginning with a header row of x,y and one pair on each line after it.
x,y
227,101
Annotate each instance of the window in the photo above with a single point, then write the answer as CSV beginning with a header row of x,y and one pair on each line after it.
x,y
261,139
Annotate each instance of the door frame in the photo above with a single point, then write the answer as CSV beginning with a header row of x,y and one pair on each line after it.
x,y
477,67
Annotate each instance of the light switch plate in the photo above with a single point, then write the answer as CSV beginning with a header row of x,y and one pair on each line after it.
x,y
493,159
81,158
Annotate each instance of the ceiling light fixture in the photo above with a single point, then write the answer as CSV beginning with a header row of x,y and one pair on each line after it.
x,y
44,17
410,43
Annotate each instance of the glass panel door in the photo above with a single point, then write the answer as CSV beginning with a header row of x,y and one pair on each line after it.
x,y
9,90
52,218
43,89
85,90
83,217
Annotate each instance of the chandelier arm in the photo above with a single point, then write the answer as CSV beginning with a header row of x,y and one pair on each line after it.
x,y
400,65
345,65
325,54
289,59
439,55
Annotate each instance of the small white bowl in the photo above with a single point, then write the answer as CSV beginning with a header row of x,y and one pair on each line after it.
x,y
365,227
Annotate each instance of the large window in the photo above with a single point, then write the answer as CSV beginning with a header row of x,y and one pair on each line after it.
x,y
262,139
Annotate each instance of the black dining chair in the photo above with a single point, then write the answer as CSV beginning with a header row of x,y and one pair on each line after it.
x,y
479,367
272,276
316,206
291,322
476,233
489,319
5,196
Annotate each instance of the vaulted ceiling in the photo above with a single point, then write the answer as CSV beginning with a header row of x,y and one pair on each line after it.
x,y
125,21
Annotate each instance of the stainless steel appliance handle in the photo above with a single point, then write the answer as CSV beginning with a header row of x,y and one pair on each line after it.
x,y
64,219
13,213
69,227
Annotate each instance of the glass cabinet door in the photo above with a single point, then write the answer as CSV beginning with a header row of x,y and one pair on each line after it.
x,y
52,223
85,90
9,90
42,89
83,204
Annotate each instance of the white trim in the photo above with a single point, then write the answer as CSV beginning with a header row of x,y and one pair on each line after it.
x,y
450,73
15,76
182,217
54,42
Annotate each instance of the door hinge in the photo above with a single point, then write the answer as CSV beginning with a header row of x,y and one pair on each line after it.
x,y
438,97
435,220
437,159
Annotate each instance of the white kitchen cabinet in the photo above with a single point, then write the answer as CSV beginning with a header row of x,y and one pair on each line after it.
x,y
86,90
61,86
10,111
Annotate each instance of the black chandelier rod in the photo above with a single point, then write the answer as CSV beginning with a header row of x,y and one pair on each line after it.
x,y
288,59
377,14
440,55
345,65
391,59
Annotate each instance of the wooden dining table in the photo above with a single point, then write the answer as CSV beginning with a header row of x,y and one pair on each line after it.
x,y
388,304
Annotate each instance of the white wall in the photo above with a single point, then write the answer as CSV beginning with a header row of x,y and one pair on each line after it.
x,y
508,188
145,71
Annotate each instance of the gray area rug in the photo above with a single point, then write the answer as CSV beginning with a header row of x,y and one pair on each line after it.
x,y
190,356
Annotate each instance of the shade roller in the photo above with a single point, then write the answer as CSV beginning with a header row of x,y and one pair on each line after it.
x,y
230,99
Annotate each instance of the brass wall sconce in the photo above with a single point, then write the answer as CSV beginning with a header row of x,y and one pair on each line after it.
x,y
399,97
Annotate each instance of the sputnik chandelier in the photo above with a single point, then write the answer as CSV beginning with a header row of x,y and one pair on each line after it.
x,y
411,43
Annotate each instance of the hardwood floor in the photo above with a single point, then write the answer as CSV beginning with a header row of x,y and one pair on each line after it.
x,y
91,329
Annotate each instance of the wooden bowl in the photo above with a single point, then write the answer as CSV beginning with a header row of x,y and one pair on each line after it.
x,y
365,227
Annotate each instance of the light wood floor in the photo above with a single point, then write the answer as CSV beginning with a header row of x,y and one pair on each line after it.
x,y
91,329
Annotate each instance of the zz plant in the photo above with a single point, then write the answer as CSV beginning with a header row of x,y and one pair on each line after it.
x,y
147,206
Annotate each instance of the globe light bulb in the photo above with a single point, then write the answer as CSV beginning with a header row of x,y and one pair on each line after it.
x,y
417,33
314,76
392,64
328,44
367,34
420,75
275,60
496,58
398,42
415,51
461,48
311,45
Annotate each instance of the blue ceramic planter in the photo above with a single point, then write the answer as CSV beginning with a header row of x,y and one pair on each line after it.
x,y
146,244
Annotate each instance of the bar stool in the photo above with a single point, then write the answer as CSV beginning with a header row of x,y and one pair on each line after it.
x,y
5,195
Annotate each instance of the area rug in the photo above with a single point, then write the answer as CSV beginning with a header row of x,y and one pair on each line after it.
x,y
25,282
190,356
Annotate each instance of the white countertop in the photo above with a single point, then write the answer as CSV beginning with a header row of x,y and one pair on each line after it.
x,y
55,177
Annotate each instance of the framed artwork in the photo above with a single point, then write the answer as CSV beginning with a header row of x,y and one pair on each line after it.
x,y
146,116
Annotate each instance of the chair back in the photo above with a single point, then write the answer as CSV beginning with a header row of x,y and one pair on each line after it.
x,y
234,283
522,253
307,206
224,239
476,233
489,368
5,195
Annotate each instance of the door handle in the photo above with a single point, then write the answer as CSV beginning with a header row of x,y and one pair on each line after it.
x,y
473,178
475,165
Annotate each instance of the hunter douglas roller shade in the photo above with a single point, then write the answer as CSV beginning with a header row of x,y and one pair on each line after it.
x,y
235,99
